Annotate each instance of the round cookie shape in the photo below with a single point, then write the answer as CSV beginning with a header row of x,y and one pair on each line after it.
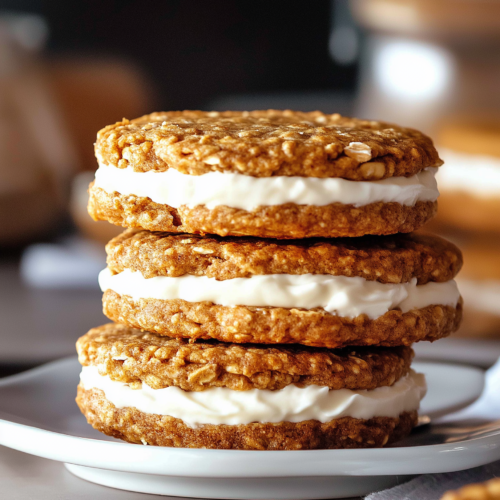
x,y
135,426
130,356
391,259
266,143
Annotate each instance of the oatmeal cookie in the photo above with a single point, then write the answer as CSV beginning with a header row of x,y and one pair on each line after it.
x,y
287,221
131,356
266,143
392,259
278,325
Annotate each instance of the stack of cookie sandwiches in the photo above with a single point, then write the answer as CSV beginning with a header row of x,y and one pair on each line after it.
x,y
262,299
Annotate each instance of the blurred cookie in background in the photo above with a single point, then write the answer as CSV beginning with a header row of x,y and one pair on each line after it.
x,y
469,181
479,283
49,113
489,490
36,155
426,18
469,215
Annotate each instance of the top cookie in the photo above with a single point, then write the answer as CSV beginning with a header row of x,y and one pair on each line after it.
x,y
266,143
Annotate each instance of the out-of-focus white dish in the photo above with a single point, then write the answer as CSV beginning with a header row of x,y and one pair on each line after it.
x,y
38,415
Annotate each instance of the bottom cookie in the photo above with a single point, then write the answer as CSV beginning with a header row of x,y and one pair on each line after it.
x,y
138,427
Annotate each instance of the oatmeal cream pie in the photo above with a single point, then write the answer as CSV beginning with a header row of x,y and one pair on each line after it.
x,y
276,174
162,391
374,290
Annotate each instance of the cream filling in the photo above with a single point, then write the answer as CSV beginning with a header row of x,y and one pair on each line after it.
x,y
220,405
245,192
339,295
475,174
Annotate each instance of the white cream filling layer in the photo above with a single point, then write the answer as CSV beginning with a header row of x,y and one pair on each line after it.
x,y
219,405
340,295
476,174
245,192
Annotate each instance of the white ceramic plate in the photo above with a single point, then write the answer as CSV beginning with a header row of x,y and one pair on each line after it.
x,y
39,416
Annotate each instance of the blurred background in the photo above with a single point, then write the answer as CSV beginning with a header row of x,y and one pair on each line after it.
x,y
68,69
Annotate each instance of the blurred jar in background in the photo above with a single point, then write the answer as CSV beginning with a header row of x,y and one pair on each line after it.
x,y
429,59
435,65
469,213
36,156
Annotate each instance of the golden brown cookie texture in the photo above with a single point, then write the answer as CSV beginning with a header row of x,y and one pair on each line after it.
x,y
277,325
392,259
135,426
286,221
131,356
266,143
